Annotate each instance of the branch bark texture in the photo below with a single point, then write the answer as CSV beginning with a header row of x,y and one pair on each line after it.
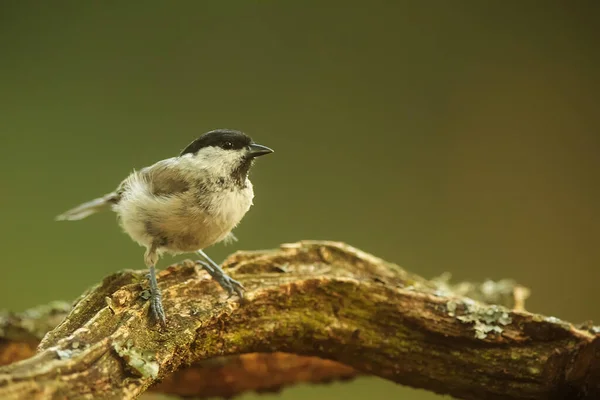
x,y
313,312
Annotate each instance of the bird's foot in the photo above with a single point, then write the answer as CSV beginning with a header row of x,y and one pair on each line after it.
x,y
225,281
156,306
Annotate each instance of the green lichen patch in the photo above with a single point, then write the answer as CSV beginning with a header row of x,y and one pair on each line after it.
x,y
140,361
485,319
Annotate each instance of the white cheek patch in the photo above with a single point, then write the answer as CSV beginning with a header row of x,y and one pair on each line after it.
x,y
218,162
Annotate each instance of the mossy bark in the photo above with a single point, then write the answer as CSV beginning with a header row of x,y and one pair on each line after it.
x,y
313,312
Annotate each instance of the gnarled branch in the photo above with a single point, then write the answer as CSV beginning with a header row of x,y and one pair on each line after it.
x,y
314,312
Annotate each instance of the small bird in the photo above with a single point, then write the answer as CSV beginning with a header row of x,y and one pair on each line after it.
x,y
185,204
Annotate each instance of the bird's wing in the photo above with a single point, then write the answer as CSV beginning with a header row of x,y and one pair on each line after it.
x,y
165,179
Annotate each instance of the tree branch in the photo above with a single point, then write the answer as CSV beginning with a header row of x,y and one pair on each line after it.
x,y
354,312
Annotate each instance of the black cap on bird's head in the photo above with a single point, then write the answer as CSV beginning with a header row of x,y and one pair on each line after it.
x,y
227,139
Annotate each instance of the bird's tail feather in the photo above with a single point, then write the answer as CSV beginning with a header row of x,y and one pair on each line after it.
x,y
88,208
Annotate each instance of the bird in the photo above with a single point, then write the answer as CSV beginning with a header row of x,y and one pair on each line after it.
x,y
184,204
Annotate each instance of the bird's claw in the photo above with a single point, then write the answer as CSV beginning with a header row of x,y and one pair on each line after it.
x,y
225,281
232,286
156,308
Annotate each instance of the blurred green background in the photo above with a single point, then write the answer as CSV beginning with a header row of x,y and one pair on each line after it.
x,y
444,136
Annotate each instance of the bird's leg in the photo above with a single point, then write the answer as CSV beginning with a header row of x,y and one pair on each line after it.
x,y
156,298
217,273
156,307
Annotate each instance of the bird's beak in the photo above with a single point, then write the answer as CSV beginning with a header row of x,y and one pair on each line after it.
x,y
257,150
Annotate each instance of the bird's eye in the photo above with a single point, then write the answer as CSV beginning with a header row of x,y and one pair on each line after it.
x,y
228,145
